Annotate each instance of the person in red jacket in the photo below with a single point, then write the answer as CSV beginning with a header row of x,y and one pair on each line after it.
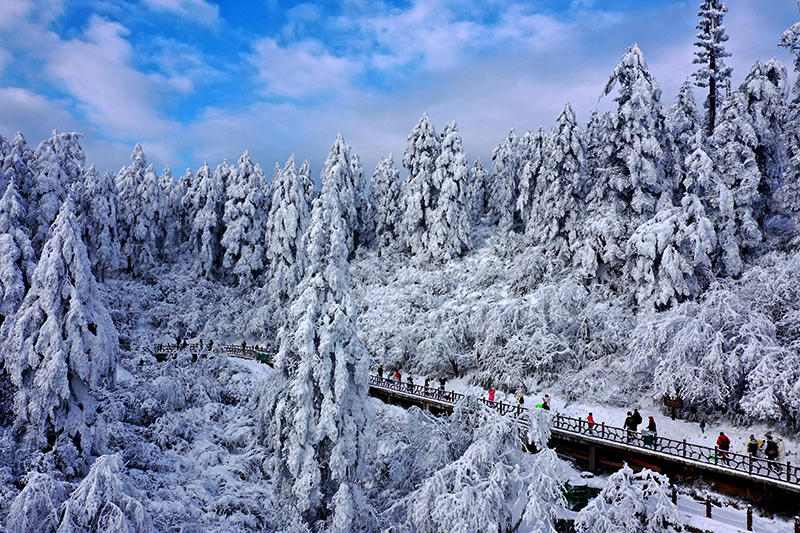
x,y
590,419
723,445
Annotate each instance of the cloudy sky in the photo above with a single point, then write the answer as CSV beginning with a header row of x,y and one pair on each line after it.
x,y
199,80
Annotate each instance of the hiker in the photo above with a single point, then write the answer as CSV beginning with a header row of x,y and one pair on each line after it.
x,y
410,383
771,451
491,393
630,426
702,426
752,446
590,419
781,451
427,383
520,401
546,402
637,419
723,444
651,427
380,372
398,377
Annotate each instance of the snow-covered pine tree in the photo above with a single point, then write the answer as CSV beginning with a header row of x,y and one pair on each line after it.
x,y
5,151
60,346
342,168
449,228
554,215
171,219
531,168
182,204
624,192
737,204
96,204
289,216
477,195
315,409
682,122
245,222
385,195
17,259
206,205
59,161
631,503
20,163
711,56
362,235
789,194
506,158
766,92
421,193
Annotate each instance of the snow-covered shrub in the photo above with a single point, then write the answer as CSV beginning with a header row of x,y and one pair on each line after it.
x,y
36,507
106,500
631,503
170,393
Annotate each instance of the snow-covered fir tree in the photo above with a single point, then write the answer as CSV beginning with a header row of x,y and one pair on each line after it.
x,y
632,503
316,415
206,205
789,195
449,227
554,215
477,191
711,54
506,158
20,164
682,123
59,163
385,195
530,170
420,193
60,346
96,204
244,218
17,259
288,220
171,219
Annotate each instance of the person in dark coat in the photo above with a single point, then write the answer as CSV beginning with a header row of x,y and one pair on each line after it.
x,y
380,372
630,426
651,427
771,451
752,446
637,419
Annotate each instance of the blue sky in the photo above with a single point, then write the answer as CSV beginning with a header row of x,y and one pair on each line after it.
x,y
198,80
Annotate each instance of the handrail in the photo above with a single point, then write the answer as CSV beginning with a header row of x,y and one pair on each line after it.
x,y
687,451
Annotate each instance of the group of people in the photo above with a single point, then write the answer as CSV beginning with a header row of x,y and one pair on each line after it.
x,y
632,422
773,450
397,378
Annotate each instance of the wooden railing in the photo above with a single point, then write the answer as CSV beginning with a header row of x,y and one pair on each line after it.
x,y
245,351
702,456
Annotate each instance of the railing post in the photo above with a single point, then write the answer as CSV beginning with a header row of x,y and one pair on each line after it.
x,y
750,466
684,447
788,471
674,495
797,524
749,518
708,506
602,430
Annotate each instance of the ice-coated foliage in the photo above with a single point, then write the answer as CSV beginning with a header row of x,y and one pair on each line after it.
x,y
289,216
385,196
206,204
245,221
97,209
61,345
16,253
477,192
669,256
20,163
711,54
506,159
420,192
59,164
554,216
315,414
632,503
106,500
36,507
682,124
530,170
489,484
449,227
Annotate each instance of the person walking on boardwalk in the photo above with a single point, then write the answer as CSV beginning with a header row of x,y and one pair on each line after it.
x,y
427,383
590,420
380,372
771,451
651,427
724,444
629,426
410,383
752,447
491,393
546,402
637,419
520,401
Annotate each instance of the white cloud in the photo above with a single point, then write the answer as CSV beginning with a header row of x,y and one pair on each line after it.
x,y
96,70
199,11
301,70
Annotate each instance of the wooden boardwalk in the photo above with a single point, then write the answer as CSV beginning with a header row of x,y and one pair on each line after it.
x,y
784,476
